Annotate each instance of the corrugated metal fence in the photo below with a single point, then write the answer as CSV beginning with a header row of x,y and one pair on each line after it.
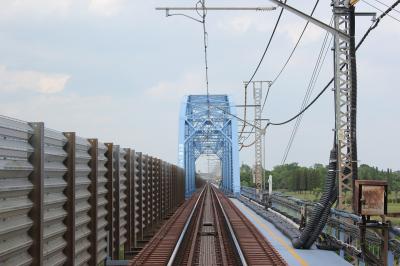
x,y
66,200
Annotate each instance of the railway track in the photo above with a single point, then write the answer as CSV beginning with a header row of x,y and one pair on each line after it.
x,y
208,230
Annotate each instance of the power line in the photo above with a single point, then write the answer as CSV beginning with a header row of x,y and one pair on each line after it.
x,y
386,5
373,26
259,64
305,109
317,69
268,44
205,36
311,85
377,8
376,22
245,111
283,68
295,47
291,54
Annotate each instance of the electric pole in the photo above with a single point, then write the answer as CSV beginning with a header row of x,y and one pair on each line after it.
x,y
345,99
259,132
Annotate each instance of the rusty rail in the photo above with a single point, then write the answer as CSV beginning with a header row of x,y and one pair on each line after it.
x,y
208,230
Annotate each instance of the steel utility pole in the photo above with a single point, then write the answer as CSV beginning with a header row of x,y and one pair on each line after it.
x,y
259,132
345,99
345,91
258,167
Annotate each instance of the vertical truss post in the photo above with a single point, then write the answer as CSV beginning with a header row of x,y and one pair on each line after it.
x,y
139,197
93,189
134,200
257,92
36,214
69,192
129,199
344,102
259,132
110,198
116,205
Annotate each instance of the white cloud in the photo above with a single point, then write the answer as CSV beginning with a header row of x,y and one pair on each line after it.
x,y
14,80
106,7
189,83
42,9
125,121
292,30
28,8
243,24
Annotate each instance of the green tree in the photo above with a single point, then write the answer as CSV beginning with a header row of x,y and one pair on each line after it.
x,y
246,176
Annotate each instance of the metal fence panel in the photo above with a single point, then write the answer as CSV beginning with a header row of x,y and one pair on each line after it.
x,y
54,198
139,217
122,197
66,200
102,203
82,207
14,192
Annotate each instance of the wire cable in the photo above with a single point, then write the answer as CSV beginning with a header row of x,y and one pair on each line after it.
x,y
380,10
317,70
281,70
373,26
311,85
244,112
296,45
290,55
259,64
267,47
386,5
205,40
376,22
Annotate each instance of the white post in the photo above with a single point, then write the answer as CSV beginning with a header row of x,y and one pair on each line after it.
x,y
270,185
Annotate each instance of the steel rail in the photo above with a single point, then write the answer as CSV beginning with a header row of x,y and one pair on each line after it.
x,y
218,226
182,235
231,232
196,228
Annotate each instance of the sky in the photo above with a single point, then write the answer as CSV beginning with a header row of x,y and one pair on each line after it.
x,y
118,70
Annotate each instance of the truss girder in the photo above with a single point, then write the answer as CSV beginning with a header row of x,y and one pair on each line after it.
x,y
206,127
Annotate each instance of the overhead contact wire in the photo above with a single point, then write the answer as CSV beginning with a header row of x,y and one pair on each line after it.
x,y
281,71
373,26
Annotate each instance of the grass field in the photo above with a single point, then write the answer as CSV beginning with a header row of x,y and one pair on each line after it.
x,y
310,196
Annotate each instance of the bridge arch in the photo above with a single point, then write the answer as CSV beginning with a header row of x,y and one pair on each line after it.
x,y
207,127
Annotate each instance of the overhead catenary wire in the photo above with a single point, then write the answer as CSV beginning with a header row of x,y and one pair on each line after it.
x,y
314,77
376,22
324,89
386,5
295,46
205,38
201,4
244,112
372,27
268,45
260,62
380,10
281,70
290,55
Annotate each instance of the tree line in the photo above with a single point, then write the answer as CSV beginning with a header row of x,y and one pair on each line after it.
x,y
293,177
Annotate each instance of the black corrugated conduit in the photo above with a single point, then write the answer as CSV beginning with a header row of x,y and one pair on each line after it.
x,y
353,98
321,210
